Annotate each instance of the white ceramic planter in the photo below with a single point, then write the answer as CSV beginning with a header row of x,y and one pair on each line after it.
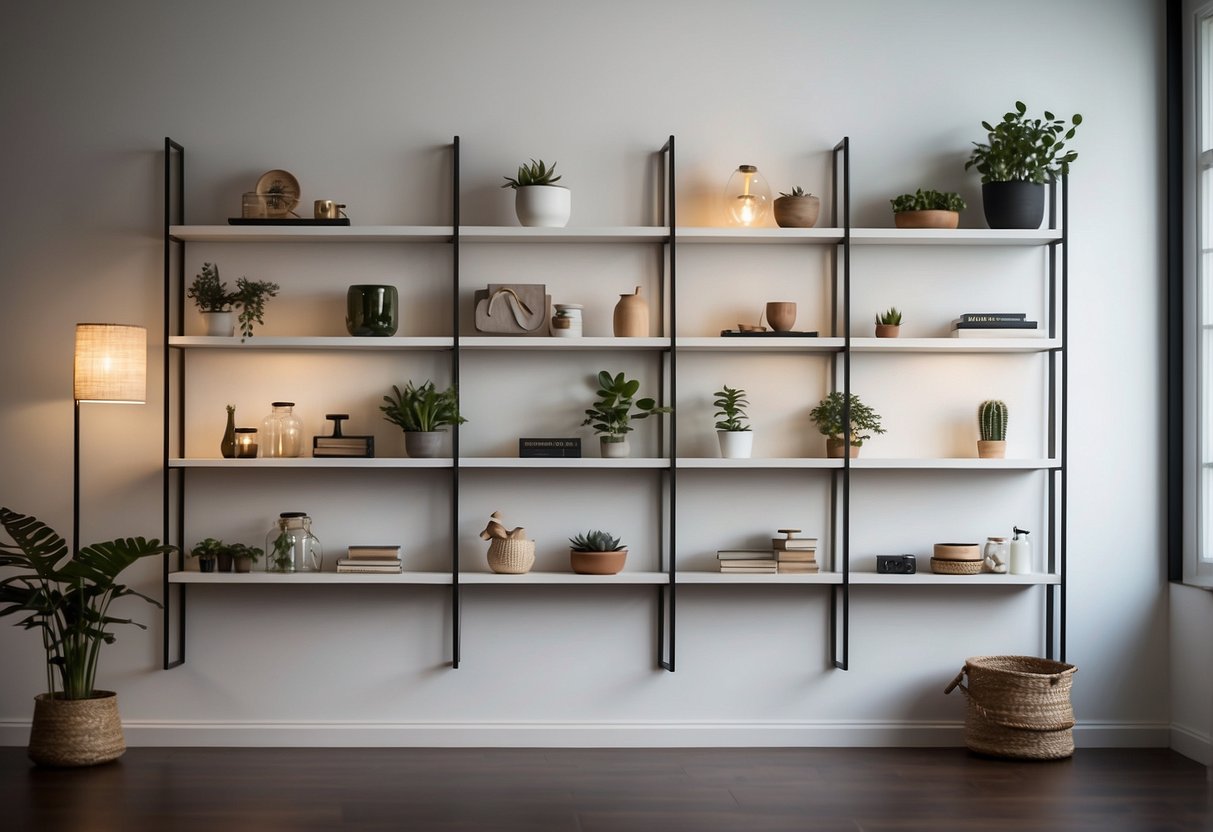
x,y
221,324
736,444
543,206
618,449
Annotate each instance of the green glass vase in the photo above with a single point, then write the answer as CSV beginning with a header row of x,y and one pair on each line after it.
x,y
372,310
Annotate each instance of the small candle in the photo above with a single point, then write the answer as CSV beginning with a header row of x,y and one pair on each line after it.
x,y
246,443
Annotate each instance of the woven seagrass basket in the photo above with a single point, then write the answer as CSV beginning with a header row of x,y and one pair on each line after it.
x,y
1018,707
511,557
76,732
941,566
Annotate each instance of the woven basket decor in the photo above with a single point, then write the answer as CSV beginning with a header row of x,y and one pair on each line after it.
x,y
956,567
1018,707
511,557
76,732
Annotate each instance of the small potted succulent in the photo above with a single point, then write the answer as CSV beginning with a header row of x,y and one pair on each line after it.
x,y
538,200
797,209
612,413
828,416
597,553
207,552
217,304
736,438
992,427
1018,157
927,209
422,412
243,557
888,323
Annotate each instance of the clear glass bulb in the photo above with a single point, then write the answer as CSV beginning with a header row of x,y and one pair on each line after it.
x,y
747,196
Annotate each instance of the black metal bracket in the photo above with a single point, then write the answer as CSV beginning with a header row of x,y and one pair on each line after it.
x,y
174,272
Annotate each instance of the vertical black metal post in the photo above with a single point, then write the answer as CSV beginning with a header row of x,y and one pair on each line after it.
x,y
76,477
174,205
456,609
840,598
666,628
1065,385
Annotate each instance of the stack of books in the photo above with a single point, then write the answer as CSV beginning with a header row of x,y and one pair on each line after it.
x,y
747,561
994,325
328,446
371,559
796,555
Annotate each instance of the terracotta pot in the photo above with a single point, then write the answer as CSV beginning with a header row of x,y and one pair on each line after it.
x,y
631,318
926,219
597,563
543,206
781,315
991,448
888,330
834,448
76,732
797,211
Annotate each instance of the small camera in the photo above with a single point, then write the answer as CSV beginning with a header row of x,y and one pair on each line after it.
x,y
896,565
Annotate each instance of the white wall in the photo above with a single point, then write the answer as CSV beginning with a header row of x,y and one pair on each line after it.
x,y
359,100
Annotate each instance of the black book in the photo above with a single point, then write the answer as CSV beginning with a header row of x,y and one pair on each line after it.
x,y
960,324
1001,317
556,448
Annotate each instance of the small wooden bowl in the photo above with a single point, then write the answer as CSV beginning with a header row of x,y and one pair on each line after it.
x,y
958,551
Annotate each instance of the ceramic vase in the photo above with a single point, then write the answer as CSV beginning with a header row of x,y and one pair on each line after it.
x,y
372,310
631,318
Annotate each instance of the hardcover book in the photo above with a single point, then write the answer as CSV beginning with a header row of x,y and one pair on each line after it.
x,y
555,448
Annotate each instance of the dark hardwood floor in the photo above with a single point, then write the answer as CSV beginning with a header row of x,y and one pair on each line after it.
x,y
593,790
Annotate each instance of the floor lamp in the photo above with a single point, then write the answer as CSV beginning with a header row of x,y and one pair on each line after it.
x,y
111,367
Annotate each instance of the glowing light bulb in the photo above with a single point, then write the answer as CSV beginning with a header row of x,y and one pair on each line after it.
x,y
747,196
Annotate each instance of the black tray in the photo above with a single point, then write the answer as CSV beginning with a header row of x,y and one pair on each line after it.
x,y
732,333
286,221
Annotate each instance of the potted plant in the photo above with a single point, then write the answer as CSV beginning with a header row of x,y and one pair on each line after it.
x,y
597,553
735,437
422,412
888,323
243,557
207,552
538,200
797,209
612,413
829,418
217,304
67,597
927,209
992,427
1020,155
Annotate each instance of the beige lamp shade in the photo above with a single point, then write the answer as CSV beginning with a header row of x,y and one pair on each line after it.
x,y
111,363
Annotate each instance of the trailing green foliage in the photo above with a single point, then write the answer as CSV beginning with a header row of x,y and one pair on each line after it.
x,y
536,173
612,412
889,317
423,408
1023,149
596,541
211,295
67,598
928,200
830,418
992,420
732,404
797,191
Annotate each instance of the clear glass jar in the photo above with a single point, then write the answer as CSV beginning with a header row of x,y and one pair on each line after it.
x,y
291,547
997,554
282,431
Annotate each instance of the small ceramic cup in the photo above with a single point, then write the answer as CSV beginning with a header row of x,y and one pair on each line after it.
x,y
781,315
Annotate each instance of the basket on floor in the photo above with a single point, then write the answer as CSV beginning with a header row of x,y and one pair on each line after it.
x,y
1018,707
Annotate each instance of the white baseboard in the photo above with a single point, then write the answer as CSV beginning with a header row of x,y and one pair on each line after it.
x,y
809,734
1192,744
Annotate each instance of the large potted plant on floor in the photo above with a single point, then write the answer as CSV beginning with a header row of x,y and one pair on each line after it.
x,y
612,413
1019,156
538,200
422,412
829,417
67,599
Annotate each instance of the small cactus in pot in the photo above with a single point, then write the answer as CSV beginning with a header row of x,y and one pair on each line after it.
x,y
992,427
597,553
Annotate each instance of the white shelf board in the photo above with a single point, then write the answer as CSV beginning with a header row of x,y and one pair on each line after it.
x,y
772,344
931,579
955,345
310,462
956,464
758,462
547,342
280,342
260,577
312,233
687,577
518,234
760,236
951,237
582,463
565,578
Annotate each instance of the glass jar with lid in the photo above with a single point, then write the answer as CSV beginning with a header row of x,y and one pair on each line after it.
x,y
997,554
290,545
282,431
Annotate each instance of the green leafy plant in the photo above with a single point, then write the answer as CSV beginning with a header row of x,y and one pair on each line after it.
x,y
208,549
889,317
828,416
992,420
732,404
536,173
211,295
1023,149
209,292
596,541
612,412
928,200
240,551
67,597
283,552
797,191
423,408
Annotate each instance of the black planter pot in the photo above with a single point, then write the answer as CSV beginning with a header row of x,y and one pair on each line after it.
x,y
206,564
1013,204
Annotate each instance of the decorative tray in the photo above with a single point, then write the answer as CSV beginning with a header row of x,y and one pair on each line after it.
x,y
732,333
286,221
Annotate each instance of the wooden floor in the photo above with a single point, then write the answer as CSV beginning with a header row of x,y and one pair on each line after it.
x,y
592,790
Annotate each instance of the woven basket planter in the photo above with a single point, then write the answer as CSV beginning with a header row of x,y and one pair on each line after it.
x,y
1018,707
76,732
511,557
